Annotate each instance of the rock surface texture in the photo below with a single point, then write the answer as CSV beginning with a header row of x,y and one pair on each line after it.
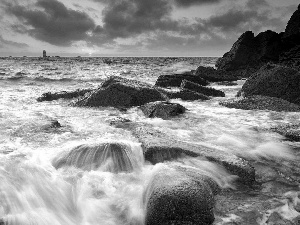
x,y
159,147
164,110
121,92
178,195
258,102
208,91
274,81
176,79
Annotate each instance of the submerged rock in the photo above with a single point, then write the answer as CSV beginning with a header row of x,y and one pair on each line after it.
x,y
290,131
48,96
163,110
179,195
176,79
258,102
121,92
274,81
208,91
159,147
112,157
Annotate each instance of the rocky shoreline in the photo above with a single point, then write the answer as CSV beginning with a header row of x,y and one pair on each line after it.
x,y
180,194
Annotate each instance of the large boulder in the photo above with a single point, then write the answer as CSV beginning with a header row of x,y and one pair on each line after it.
x,y
274,81
158,147
163,110
259,102
180,196
175,80
208,91
121,92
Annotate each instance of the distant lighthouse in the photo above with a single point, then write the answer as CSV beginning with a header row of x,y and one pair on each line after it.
x,y
44,54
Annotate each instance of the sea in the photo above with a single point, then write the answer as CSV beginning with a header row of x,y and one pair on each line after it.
x,y
35,192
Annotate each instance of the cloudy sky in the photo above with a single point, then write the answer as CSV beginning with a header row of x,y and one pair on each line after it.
x,y
134,27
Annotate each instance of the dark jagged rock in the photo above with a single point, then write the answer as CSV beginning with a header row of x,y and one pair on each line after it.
x,y
290,131
176,79
159,147
208,91
163,110
121,92
258,102
293,25
249,53
48,96
212,75
274,81
180,196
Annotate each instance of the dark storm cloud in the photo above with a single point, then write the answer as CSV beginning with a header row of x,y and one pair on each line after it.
x,y
125,18
187,3
53,22
5,43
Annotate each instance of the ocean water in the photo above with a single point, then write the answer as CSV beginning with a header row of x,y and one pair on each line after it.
x,y
39,186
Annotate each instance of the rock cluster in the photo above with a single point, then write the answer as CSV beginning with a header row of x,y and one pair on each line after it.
x,y
250,52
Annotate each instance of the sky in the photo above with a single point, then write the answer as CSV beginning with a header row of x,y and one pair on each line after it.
x,y
134,27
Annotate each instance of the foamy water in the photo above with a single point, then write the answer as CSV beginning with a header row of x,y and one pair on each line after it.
x,y
43,180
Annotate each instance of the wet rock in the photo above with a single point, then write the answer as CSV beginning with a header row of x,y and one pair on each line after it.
x,y
227,83
276,219
112,157
212,75
187,95
208,91
159,147
274,81
163,110
176,79
258,102
290,131
119,122
121,93
178,195
48,96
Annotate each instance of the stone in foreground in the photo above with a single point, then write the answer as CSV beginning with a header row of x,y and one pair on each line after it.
x,y
258,102
158,147
180,195
121,92
163,110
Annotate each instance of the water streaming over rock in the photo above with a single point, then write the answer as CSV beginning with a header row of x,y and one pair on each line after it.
x,y
87,172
